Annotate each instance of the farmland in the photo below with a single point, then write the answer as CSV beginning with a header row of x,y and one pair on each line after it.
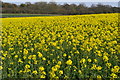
x,y
61,47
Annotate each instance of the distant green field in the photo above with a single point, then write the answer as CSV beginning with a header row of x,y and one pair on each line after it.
x,y
25,15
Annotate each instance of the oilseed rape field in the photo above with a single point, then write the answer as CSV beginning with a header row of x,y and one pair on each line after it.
x,y
61,47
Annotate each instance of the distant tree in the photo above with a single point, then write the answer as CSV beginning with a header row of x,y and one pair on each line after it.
x,y
82,9
54,8
66,8
1,4
22,5
73,9
28,3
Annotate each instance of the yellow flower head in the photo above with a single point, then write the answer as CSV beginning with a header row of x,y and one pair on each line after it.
x,y
64,54
115,69
80,71
34,57
59,62
43,72
19,60
105,58
1,67
41,68
108,65
35,72
99,68
27,66
113,75
54,68
89,60
93,67
30,56
98,77
69,62
57,66
82,60
25,51
44,58
42,76
16,56
20,71
40,54
95,60
61,72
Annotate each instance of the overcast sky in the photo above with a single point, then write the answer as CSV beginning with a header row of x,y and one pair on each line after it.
x,y
61,0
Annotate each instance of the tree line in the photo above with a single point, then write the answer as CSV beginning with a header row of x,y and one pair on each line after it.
x,y
54,8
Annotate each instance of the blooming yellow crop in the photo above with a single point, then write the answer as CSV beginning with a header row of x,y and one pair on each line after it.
x,y
60,47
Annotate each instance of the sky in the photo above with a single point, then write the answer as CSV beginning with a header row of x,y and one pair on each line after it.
x,y
61,0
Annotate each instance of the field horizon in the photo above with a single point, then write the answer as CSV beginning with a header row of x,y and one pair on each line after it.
x,y
15,15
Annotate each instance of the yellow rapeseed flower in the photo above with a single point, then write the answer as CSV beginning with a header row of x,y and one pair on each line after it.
x,y
113,75
35,72
69,62
27,66
105,58
54,68
82,60
59,62
1,67
42,76
61,72
89,60
64,54
40,54
108,65
98,77
25,51
41,68
99,68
